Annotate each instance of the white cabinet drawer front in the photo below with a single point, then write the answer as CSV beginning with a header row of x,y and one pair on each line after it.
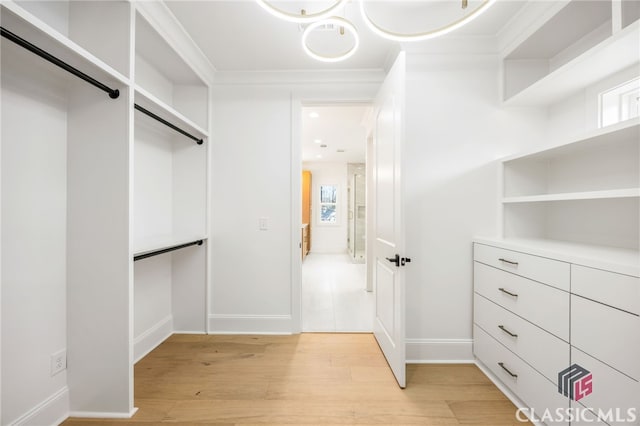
x,y
620,291
608,334
540,304
612,392
531,387
545,352
548,271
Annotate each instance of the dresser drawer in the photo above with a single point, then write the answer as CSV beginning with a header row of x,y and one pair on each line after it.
x,y
608,334
617,290
540,304
522,338
547,271
612,391
538,393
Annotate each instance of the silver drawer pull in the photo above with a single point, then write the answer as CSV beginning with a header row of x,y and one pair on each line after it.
x,y
510,262
507,292
503,328
501,364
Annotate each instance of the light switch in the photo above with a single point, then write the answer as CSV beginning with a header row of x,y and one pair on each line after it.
x,y
263,223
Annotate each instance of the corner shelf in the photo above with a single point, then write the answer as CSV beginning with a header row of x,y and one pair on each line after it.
x,y
532,79
571,196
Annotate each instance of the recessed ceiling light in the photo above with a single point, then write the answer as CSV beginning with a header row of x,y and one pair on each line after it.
x,y
318,156
314,115
339,150
323,146
317,141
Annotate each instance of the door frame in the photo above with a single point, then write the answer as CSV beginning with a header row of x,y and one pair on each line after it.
x,y
297,103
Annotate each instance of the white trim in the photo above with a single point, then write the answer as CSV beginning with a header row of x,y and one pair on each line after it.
x,y
52,411
250,324
439,351
505,390
152,337
304,77
103,415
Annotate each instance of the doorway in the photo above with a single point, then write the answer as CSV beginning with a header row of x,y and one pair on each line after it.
x,y
333,150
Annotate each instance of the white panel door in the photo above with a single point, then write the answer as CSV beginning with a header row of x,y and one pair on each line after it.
x,y
389,287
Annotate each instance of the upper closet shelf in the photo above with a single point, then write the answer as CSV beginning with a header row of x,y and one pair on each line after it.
x,y
29,27
615,53
156,106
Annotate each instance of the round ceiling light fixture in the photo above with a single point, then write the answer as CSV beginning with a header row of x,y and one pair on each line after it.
x,y
343,25
302,17
426,35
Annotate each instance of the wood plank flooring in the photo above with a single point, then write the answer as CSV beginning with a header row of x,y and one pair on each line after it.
x,y
306,379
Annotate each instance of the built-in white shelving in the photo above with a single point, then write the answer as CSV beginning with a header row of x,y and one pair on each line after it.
x,y
586,191
577,46
89,181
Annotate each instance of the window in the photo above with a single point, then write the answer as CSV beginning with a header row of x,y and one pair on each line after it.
x,y
328,204
620,103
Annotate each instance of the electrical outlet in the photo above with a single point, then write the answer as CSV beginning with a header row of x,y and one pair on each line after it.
x,y
263,223
58,362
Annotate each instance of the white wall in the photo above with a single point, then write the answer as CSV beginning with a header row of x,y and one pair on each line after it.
x,y
328,238
251,269
455,130
254,174
34,197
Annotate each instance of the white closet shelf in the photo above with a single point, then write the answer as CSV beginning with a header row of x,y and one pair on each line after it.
x,y
623,261
629,129
29,27
611,55
155,105
570,196
163,242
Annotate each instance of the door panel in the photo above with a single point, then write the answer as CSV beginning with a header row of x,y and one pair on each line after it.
x,y
389,286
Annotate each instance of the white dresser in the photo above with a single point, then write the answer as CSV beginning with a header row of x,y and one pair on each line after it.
x,y
539,308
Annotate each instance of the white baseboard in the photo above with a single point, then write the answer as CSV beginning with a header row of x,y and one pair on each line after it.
x,y
151,338
52,411
445,351
101,415
250,324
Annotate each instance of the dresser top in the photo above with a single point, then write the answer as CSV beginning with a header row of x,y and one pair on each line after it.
x,y
622,261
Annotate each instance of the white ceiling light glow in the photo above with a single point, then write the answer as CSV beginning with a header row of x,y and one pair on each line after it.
x,y
302,17
428,34
340,23
327,20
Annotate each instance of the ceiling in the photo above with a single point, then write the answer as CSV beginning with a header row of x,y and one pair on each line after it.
x,y
238,35
340,128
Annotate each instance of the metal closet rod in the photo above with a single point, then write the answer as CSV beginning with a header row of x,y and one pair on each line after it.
x,y
113,93
166,123
166,250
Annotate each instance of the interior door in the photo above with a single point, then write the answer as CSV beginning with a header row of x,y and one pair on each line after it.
x,y
389,285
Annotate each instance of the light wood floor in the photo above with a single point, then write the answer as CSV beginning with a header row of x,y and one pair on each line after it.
x,y
301,380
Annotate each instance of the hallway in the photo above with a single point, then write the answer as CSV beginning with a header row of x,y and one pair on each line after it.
x,y
333,295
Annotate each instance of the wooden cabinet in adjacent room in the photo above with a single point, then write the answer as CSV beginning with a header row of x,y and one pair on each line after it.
x,y
306,212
